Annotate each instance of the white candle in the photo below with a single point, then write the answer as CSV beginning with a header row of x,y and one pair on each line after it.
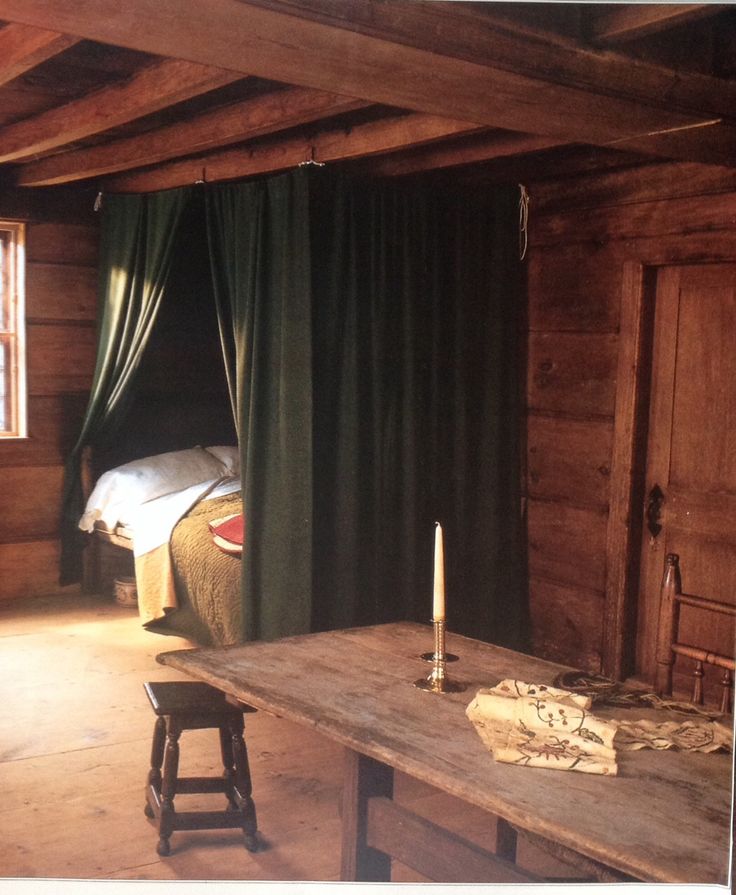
x,y
438,604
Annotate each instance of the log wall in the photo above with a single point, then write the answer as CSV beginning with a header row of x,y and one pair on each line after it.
x,y
583,231
181,398
61,283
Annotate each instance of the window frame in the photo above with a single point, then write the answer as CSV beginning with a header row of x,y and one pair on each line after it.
x,y
13,329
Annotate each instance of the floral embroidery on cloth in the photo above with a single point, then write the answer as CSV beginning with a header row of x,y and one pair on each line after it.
x,y
685,736
538,726
534,725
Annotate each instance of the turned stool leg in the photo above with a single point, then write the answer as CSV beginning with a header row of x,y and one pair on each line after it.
x,y
243,786
168,786
157,759
228,763
190,705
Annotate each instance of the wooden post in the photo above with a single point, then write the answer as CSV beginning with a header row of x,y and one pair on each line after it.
x,y
505,840
726,688
698,674
668,611
620,537
363,778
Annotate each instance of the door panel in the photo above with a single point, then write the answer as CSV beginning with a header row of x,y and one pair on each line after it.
x,y
691,453
704,412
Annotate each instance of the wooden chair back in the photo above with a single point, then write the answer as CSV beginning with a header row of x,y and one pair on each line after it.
x,y
669,645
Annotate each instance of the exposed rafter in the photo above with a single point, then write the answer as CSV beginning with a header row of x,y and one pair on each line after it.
x,y
385,135
479,148
23,47
618,23
279,110
151,89
386,54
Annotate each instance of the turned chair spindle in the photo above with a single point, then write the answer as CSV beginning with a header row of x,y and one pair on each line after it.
x,y
669,645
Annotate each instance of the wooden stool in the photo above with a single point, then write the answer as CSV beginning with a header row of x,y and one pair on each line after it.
x,y
191,705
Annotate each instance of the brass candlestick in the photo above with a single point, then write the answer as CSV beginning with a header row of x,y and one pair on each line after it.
x,y
438,682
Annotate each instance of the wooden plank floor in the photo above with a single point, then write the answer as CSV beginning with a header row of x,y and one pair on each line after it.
x,y
75,732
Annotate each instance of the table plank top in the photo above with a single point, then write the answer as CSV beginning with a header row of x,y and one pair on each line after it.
x,y
666,817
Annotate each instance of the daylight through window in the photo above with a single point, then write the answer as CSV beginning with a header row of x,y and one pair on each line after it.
x,y
12,331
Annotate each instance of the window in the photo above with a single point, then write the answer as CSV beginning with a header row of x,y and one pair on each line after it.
x,y
12,331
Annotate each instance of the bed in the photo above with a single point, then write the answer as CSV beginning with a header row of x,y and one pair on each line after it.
x,y
169,518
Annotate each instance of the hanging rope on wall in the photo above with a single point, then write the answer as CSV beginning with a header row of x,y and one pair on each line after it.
x,y
523,220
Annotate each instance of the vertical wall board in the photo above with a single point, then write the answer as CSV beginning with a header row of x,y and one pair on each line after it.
x,y
57,243
32,498
567,624
572,374
587,233
628,221
61,359
567,544
569,292
30,569
53,424
61,292
569,460
61,284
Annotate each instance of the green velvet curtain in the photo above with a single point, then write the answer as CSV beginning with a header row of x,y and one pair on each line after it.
x,y
138,233
260,250
370,333
417,405
375,335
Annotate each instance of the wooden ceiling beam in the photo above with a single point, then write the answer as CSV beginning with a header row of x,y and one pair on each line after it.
x,y
23,47
477,33
421,56
478,148
714,148
148,90
275,111
619,23
384,135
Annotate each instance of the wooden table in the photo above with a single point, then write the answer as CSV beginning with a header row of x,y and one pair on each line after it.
x,y
665,818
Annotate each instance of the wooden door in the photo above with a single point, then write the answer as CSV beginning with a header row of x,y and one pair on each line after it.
x,y
691,455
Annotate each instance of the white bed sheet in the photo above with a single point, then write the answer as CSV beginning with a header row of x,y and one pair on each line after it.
x,y
121,490
153,522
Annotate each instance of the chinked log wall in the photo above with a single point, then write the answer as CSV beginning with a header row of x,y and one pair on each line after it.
x,y
61,284
173,411
583,230
582,233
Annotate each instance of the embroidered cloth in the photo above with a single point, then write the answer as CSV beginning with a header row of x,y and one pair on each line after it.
x,y
534,725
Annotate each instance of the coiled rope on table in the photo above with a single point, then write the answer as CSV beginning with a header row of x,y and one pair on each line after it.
x,y
603,690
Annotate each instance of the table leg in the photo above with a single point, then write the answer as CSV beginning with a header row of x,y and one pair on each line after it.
x,y
505,840
363,778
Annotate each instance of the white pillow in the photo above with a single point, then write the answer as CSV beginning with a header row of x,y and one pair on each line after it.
x,y
228,455
121,489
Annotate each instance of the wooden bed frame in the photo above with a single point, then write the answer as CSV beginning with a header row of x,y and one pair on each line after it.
x,y
108,554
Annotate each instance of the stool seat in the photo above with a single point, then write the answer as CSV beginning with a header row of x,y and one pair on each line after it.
x,y
193,705
190,698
